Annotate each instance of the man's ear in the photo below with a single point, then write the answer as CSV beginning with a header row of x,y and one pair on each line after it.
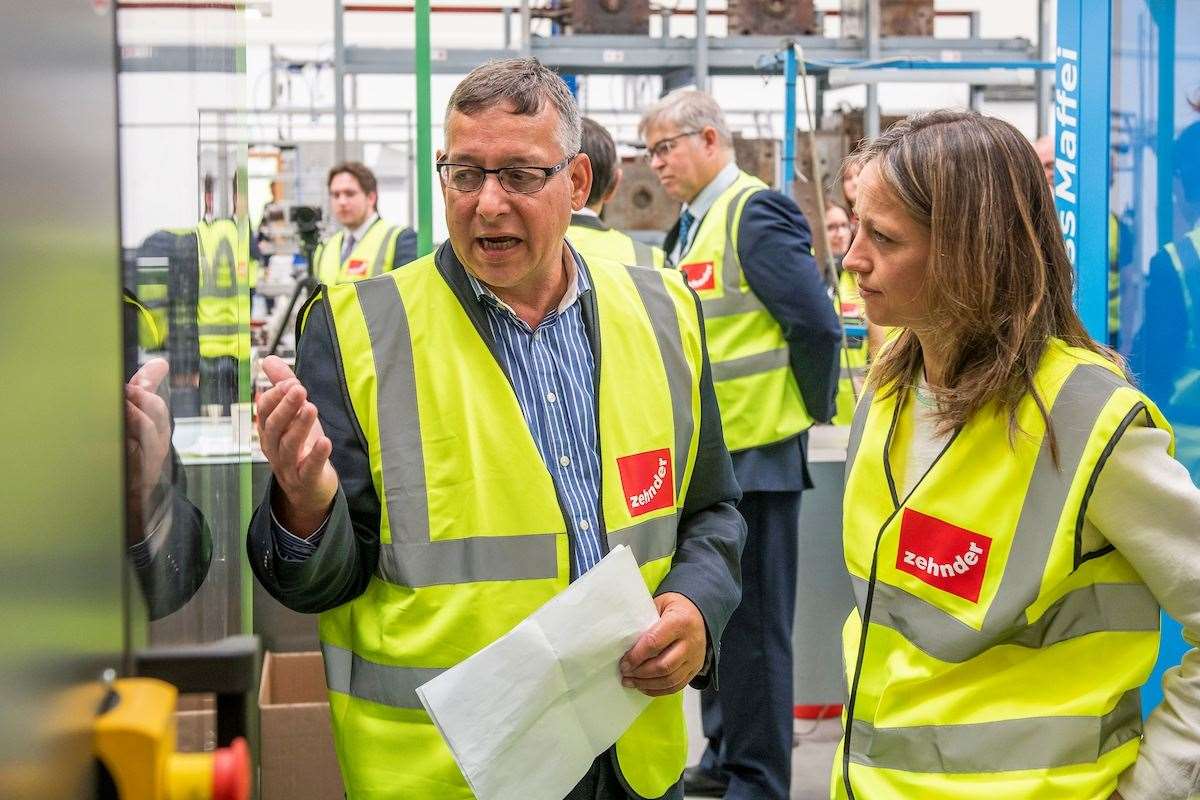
x,y
618,173
581,181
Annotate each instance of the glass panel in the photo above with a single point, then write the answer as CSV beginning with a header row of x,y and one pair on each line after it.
x,y
1154,227
189,268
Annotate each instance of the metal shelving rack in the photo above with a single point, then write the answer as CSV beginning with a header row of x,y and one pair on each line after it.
x,y
691,60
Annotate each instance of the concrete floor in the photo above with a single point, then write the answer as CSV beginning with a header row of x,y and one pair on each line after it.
x,y
812,757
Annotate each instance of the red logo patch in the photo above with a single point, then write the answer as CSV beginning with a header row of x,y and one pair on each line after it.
x,y
700,276
647,482
356,267
946,556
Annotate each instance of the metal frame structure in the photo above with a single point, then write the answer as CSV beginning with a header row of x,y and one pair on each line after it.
x,y
678,60
693,60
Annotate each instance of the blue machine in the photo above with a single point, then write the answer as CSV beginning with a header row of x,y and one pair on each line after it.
x,y
1128,95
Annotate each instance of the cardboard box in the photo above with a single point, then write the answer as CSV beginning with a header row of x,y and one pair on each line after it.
x,y
297,757
196,723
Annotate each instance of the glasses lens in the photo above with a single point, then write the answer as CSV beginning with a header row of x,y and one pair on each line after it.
x,y
522,180
663,148
464,179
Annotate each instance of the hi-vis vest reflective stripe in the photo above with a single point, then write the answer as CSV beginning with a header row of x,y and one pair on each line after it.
x,y
150,336
988,656
853,374
372,255
472,536
223,306
615,245
756,390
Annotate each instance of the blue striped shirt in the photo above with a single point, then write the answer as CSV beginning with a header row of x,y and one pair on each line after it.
x,y
551,368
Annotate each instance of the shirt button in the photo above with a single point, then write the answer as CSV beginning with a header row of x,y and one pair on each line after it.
x,y
583,525
551,397
564,461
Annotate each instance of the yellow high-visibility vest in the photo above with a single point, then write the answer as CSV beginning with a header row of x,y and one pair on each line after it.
x,y
853,373
150,336
988,655
593,239
758,395
371,255
472,536
223,305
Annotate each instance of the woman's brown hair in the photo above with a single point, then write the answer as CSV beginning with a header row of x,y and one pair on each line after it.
x,y
999,283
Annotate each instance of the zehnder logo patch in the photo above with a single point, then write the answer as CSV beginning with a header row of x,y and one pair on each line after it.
x,y
951,558
700,276
647,482
356,267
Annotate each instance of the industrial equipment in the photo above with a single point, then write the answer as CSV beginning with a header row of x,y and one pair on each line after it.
x,y
759,157
640,203
772,18
897,18
134,738
610,16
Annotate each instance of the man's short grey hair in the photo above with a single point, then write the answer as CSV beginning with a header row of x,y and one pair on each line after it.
x,y
526,86
688,110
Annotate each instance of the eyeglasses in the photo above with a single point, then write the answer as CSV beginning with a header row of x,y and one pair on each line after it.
x,y
663,147
515,180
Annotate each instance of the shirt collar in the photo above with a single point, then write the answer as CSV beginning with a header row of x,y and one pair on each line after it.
x,y
577,286
586,212
361,231
709,194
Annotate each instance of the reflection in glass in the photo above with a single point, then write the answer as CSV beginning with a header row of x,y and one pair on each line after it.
x,y
1155,207
1155,197
168,540
188,272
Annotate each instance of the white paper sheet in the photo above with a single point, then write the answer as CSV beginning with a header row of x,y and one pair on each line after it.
x,y
526,716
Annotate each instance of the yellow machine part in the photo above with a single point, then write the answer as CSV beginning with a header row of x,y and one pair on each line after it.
x,y
135,739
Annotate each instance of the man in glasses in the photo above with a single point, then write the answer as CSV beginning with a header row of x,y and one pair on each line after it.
x,y
588,232
774,340
366,246
465,436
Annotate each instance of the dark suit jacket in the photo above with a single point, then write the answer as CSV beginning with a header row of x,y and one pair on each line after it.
x,y
711,534
406,248
775,250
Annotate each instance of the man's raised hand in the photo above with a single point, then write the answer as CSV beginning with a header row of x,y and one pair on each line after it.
x,y
294,443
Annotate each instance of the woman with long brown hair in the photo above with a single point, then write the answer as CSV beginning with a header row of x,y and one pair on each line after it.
x,y
1014,519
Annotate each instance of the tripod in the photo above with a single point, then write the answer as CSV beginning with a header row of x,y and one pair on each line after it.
x,y
306,284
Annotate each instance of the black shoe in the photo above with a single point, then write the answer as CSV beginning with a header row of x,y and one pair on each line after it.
x,y
701,782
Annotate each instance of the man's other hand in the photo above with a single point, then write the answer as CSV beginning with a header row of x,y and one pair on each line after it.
x,y
671,652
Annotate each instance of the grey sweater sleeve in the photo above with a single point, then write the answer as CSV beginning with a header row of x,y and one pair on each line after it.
x,y
1146,505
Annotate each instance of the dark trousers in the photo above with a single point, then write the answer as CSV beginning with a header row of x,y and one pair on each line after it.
x,y
219,382
748,719
603,783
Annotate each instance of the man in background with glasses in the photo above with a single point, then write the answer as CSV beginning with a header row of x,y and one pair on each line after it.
x,y
588,232
465,436
774,339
